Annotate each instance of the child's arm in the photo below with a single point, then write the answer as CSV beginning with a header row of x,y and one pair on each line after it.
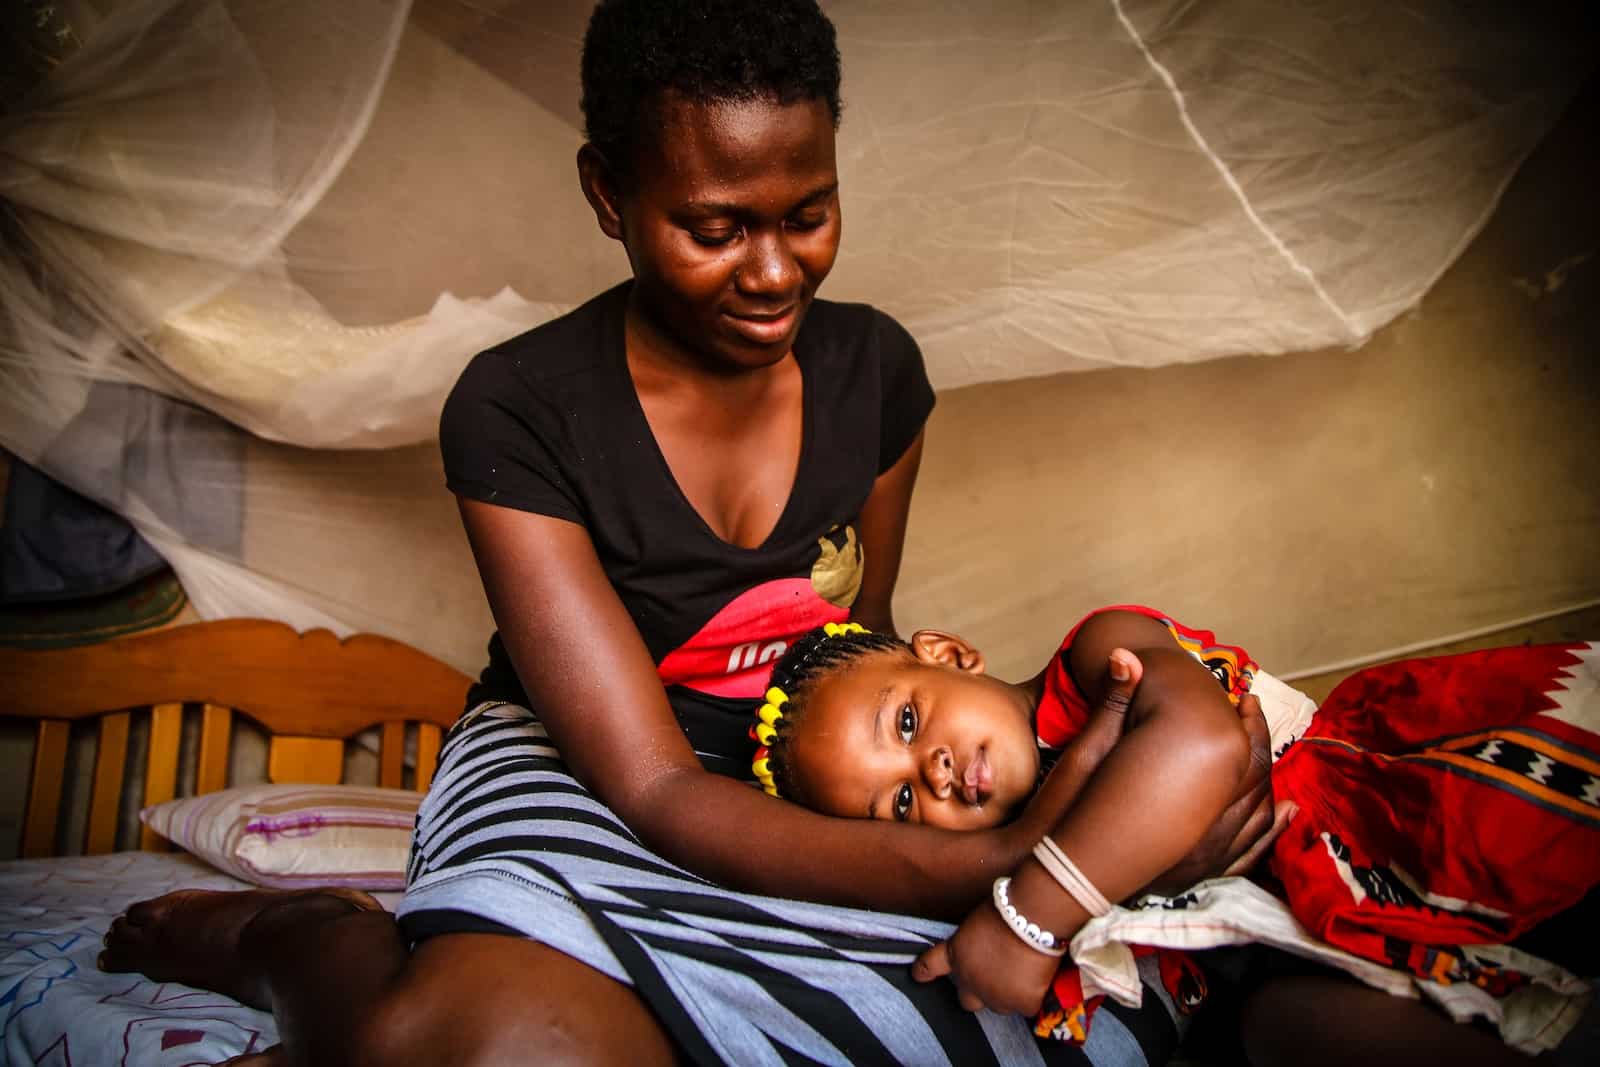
x,y
1178,766
1231,845
1078,761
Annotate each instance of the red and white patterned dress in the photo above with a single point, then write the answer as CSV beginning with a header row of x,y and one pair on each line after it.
x,y
1447,806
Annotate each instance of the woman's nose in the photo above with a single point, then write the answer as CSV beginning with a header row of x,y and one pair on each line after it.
x,y
770,269
938,770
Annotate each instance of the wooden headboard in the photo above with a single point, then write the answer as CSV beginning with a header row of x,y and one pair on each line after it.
x,y
310,692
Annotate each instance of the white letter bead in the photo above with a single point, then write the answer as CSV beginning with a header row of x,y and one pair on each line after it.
x,y
1031,934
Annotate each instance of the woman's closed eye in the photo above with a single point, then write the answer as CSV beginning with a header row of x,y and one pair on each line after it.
x,y
809,221
713,236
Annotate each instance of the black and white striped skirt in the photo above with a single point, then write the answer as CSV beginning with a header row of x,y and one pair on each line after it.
x,y
507,840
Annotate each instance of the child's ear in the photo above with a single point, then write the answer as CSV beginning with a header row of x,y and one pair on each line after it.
x,y
936,646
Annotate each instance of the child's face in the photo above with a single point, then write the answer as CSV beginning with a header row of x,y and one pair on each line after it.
x,y
898,737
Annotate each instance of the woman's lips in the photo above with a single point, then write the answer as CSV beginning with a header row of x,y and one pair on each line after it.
x,y
763,329
977,781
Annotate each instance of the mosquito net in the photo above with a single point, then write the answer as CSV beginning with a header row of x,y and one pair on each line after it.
x,y
248,244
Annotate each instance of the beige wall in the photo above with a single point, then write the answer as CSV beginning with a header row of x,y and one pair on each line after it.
x,y
1320,507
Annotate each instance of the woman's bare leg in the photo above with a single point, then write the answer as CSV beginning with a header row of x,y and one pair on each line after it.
x,y
343,988
1309,1020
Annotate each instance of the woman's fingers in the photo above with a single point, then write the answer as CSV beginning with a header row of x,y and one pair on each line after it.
x,y
1255,728
1282,815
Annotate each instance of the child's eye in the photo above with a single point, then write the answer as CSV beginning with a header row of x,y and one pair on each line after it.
x,y
902,802
907,723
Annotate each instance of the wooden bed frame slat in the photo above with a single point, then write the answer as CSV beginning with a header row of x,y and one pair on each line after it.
x,y
107,790
428,739
216,727
161,767
392,755
44,795
309,691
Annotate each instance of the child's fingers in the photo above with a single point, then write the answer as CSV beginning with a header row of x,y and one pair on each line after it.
x,y
1126,671
1106,722
1123,671
1086,752
933,963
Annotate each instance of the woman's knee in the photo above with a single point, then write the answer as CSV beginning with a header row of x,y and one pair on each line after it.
x,y
488,999
1306,1020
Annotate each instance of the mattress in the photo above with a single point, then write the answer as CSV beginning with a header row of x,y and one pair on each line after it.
x,y
57,1008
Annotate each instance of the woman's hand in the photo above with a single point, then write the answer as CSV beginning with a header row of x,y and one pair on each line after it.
x,y
990,965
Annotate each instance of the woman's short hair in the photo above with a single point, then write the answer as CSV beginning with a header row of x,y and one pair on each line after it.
x,y
704,50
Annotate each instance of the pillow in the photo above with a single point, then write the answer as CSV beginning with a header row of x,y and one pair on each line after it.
x,y
295,836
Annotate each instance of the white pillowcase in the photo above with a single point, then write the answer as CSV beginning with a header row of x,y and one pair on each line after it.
x,y
296,836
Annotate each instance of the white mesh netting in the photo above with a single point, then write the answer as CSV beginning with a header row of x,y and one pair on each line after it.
x,y
249,244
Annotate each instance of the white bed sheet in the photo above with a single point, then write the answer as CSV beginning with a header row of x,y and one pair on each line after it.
x,y
57,1008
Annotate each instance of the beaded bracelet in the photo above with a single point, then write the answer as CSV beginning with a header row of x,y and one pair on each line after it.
x,y
1032,935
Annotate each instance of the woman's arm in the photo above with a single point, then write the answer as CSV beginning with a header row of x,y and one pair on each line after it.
x,y
883,534
1178,766
588,673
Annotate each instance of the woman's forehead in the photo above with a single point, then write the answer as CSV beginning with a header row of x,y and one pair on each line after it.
x,y
710,149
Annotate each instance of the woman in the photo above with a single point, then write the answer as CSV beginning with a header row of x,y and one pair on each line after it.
x,y
661,490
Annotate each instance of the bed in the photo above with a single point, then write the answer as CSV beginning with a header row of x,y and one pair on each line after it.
x,y
311,693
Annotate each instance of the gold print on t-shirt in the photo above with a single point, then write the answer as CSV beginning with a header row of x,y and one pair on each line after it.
x,y
836,576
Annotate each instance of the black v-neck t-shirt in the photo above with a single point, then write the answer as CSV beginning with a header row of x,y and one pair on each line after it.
x,y
549,422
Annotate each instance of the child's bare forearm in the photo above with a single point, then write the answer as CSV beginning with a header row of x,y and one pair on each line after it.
x,y
1077,764
1177,766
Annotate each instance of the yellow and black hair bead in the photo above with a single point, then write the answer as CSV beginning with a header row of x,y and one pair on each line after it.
x,y
817,652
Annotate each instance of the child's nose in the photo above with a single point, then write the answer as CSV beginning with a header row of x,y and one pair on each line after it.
x,y
939,771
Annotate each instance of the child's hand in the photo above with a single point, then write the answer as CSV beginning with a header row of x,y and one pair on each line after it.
x,y
1079,759
990,966
1104,729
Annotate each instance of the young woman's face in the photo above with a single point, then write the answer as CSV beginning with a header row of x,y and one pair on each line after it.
x,y
894,737
731,222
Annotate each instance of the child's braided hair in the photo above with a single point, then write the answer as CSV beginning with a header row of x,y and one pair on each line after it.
x,y
816,653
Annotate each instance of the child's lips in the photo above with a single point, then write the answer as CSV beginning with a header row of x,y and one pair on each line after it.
x,y
977,781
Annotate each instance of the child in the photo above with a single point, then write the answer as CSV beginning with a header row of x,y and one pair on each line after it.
x,y
1446,807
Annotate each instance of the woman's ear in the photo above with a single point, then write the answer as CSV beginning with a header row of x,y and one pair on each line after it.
x,y
601,189
936,646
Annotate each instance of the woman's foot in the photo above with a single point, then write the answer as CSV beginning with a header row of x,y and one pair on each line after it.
x,y
196,936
